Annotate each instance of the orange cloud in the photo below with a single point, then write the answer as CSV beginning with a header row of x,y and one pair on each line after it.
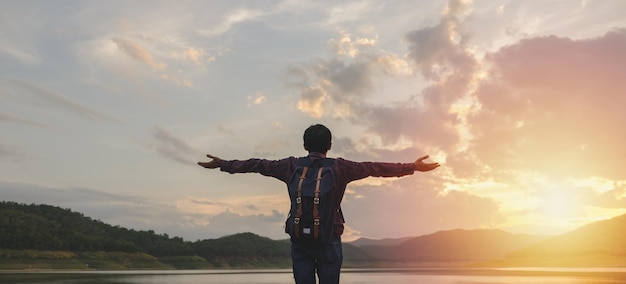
x,y
555,106
138,52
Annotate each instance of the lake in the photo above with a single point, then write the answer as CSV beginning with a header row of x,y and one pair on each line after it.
x,y
348,276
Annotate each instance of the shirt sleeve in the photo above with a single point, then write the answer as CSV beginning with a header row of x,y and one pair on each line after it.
x,y
280,169
351,171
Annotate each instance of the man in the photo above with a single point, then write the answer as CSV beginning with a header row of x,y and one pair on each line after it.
x,y
325,260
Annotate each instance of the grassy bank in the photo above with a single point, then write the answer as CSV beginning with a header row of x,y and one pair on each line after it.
x,y
33,259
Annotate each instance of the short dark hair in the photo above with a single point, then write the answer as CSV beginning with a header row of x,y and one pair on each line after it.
x,y
317,138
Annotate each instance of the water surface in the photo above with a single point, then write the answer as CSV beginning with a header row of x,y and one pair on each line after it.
x,y
348,276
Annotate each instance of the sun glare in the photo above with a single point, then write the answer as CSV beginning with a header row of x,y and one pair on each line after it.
x,y
557,203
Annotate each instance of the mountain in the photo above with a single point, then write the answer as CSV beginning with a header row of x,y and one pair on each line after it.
x,y
48,237
244,250
378,242
598,243
459,246
45,227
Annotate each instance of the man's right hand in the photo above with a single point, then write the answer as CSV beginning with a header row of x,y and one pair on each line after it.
x,y
214,163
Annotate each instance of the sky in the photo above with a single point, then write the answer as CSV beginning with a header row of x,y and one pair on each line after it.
x,y
107,106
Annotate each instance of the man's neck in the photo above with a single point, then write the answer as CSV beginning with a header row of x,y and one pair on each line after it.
x,y
317,154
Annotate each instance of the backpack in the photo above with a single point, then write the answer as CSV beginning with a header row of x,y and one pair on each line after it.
x,y
312,211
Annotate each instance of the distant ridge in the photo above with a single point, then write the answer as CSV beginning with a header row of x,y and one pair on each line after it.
x,y
454,245
378,242
598,243
244,250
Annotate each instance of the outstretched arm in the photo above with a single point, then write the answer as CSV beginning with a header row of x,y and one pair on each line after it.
x,y
280,169
213,164
424,167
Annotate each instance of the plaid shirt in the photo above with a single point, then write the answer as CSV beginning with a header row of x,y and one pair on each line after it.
x,y
345,172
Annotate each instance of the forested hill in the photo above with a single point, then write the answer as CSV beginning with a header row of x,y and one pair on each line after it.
x,y
45,227
45,236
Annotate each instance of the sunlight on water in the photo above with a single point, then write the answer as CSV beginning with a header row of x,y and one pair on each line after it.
x,y
361,276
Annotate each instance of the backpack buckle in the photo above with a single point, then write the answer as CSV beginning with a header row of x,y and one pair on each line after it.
x,y
296,220
316,222
316,200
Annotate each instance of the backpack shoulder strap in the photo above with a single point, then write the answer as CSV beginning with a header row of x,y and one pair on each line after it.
x,y
299,202
316,202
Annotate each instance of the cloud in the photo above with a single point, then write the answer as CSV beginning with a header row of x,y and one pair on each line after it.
x,y
171,61
198,226
441,49
172,147
216,218
255,100
164,57
9,118
425,128
138,52
13,30
231,19
270,148
427,119
553,105
35,193
197,55
339,87
244,206
225,130
312,101
9,152
43,97
548,115
613,198
419,207
348,46
347,12
23,54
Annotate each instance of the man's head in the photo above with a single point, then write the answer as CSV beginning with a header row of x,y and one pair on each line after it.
x,y
317,139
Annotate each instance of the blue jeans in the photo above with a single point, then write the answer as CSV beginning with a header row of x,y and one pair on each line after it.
x,y
325,259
